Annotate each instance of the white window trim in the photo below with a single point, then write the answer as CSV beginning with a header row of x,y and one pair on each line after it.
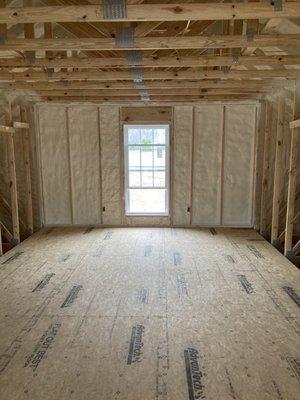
x,y
167,185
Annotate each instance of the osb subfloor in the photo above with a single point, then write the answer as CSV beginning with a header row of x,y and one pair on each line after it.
x,y
140,313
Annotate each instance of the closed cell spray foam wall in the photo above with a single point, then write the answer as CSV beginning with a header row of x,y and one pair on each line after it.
x,y
212,164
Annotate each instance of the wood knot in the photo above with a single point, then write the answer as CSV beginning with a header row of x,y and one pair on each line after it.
x,y
178,9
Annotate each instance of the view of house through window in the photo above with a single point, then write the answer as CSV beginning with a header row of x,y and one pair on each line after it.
x,y
146,169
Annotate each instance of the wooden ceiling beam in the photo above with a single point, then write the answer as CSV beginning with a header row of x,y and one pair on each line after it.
x,y
151,62
150,12
169,99
151,92
148,75
155,43
171,84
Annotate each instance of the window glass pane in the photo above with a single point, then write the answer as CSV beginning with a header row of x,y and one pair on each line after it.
x,y
159,156
147,156
133,156
146,136
134,136
147,178
147,200
134,178
159,136
159,178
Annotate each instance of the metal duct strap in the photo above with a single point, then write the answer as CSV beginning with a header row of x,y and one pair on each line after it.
x,y
134,57
2,39
250,34
30,56
125,37
277,5
235,56
137,74
114,9
139,86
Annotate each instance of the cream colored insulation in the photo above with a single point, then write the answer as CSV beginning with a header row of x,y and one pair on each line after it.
x,y
110,164
54,165
182,155
85,164
207,165
238,165
82,172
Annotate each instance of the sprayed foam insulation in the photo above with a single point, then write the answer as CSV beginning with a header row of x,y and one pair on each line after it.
x,y
82,178
207,168
156,313
55,165
110,164
85,164
182,166
238,166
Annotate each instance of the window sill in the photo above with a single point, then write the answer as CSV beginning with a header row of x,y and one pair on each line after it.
x,y
147,215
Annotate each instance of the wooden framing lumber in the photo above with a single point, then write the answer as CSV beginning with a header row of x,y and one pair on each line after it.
x,y
155,43
1,249
277,172
151,92
295,124
292,176
296,248
20,125
151,62
26,151
7,129
150,12
147,75
170,84
157,99
266,170
6,232
12,177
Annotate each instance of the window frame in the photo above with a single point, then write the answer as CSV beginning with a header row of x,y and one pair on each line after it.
x,y
126,127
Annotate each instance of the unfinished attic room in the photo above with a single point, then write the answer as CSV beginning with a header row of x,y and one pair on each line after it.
x,y
149,200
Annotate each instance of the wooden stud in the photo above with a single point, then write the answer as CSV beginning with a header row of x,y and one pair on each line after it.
x,y
277,172
1,249
12,177
266,171
292,176
26,152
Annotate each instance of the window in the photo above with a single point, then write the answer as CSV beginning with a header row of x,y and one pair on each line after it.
x,y
146,169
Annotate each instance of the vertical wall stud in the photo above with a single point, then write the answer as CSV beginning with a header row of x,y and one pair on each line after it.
x,y
265,172
277,173
292,178
12,177
26,153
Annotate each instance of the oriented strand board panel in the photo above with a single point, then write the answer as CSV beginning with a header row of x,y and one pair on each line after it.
x,y
240,126
182,156
110,164
85,164
206,206
160,313
54,164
